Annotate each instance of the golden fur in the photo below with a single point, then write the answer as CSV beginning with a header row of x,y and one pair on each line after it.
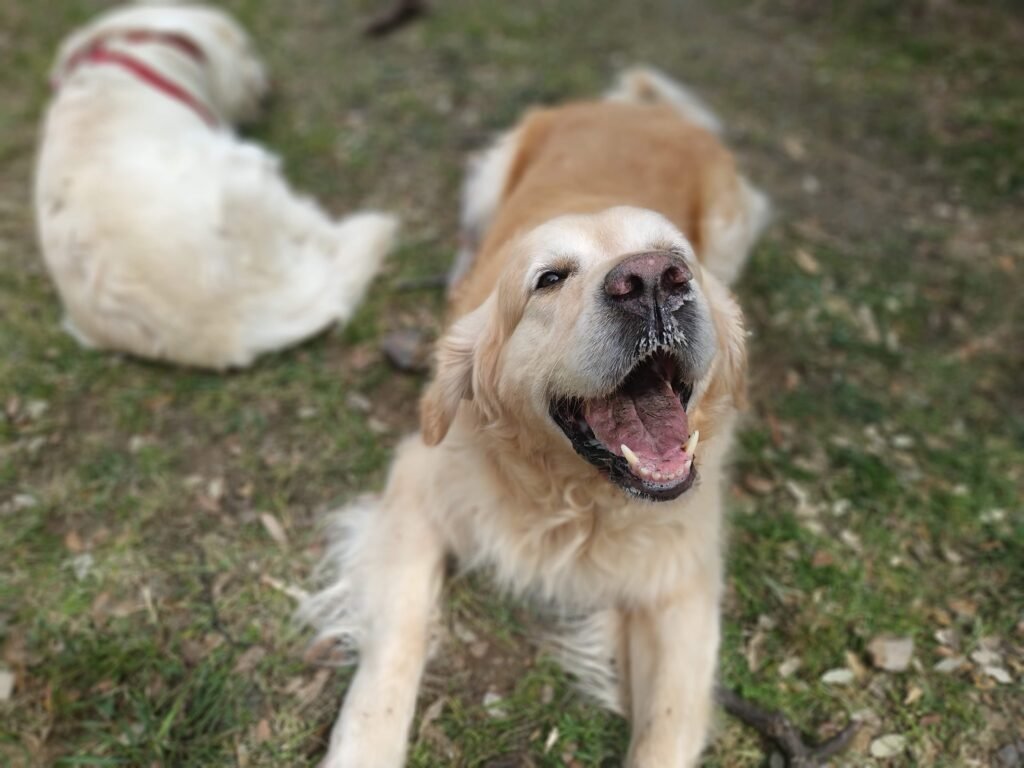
x,y
492,480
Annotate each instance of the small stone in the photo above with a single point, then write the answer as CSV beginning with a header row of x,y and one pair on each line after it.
x,y
950,665
1010,757
493,704
36,408
890,653
82,565
407,349
839,676
23,501
890,745
902,442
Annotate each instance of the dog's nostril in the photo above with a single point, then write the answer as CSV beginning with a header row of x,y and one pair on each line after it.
x,y
623,286
675,277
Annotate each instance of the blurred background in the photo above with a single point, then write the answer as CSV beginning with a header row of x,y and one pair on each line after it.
x,y
156,524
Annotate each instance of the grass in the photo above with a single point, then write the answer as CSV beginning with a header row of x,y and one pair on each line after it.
x,y
878,478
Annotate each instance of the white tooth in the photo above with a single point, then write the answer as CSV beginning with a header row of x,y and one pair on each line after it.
x,y
630,457
657,477
645,472
691,444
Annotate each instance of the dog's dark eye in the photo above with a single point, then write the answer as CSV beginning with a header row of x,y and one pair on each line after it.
x,y
550,278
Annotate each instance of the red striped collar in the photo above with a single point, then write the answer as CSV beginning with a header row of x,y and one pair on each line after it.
x,y
99,53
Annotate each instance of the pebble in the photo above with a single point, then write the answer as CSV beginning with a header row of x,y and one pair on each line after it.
x,y
493,704
408,350
1011,756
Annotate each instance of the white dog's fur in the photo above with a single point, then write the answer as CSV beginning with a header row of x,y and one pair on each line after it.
x,y
492,481
172,239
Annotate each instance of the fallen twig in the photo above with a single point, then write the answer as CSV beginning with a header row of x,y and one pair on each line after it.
x,y
778,729
397,15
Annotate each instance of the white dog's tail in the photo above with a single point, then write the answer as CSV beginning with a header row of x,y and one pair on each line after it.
x,y
323,283
646,85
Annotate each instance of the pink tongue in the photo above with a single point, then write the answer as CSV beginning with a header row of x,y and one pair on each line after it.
x,y
648,417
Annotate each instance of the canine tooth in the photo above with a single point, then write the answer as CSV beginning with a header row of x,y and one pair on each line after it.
x,y
631,458
691,444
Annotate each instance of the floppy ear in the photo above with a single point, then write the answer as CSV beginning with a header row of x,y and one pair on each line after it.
x,y
453,379
732,342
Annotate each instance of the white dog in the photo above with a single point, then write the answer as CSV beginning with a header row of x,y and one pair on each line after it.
x,y
574,438
169,237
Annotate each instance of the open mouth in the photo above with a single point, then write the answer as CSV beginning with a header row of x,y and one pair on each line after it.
x,y
637,435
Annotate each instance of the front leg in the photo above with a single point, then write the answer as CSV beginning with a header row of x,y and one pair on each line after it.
x,y
672,649
395,565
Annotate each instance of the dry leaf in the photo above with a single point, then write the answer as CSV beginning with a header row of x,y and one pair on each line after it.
x,y
952,664
807,263
310,692
967,609
839,676
914,695
890,745
274,528
247,661
430,714
73,542
789,666
822,558
6,684
263,732
890,653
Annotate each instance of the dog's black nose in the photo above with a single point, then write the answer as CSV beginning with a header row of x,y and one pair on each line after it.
x,y
643,281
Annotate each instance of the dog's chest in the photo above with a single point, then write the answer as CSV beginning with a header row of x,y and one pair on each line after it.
x,y
585,560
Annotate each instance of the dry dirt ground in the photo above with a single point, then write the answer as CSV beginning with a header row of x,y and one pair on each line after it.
x,y
155,523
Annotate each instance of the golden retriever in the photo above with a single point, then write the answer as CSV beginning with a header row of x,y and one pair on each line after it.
x,y
593,339
167,235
